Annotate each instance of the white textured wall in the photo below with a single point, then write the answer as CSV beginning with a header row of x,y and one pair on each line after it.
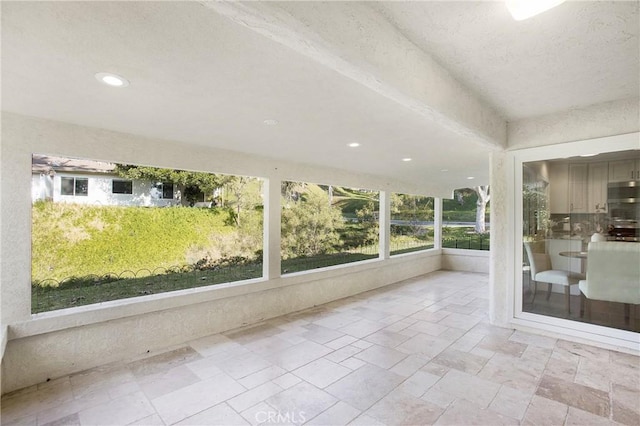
x,y
58,343
595,121
501,237
466,260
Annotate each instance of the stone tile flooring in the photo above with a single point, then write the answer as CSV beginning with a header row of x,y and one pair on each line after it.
x,y
414,353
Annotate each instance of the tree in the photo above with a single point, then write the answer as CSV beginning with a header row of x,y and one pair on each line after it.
x,y
368,223
291,191
481,207
189,183
237,185
310,227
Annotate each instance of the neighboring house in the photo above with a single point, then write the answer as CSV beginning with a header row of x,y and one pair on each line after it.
x,y
71,180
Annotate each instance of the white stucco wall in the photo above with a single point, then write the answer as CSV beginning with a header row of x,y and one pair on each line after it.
x,y
595,121
57,343
466,260
501,255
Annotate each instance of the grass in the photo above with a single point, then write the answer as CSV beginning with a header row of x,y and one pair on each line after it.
x,y
411,249
299,264
88,290
78,240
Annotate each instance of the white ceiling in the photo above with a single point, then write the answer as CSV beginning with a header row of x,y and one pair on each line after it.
x,y
199,77
578,54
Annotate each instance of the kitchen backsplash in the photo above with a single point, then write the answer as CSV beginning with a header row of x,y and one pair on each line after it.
x,y
578,225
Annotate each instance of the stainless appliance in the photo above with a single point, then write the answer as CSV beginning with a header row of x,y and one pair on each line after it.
x,y
624,211
624,230
624,192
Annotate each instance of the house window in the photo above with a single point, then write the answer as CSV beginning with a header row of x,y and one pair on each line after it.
x,y
167,190
163,190
74,186
122,187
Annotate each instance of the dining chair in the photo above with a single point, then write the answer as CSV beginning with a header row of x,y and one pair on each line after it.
x,y
613,274
542,271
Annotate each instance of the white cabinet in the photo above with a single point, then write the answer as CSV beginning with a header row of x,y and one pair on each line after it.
x,y
578,194
582,187
597,187
559,188
624,170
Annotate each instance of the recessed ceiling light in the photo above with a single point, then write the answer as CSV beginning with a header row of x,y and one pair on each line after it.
x,y
406,159
523,9
112,80
354,145
470,177
588,155
444,170
270,122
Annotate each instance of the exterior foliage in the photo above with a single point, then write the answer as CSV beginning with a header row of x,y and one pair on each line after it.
x,y
309,228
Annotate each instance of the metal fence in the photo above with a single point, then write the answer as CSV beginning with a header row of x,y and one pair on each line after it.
x,y
475,242
50,294
306,263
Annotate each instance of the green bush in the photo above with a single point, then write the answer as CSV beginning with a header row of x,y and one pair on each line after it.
x,y
70,240
309,227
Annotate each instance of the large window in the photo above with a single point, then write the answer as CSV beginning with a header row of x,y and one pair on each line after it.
x,y
465,219
74,186
103,250
411,223
581,238
324,225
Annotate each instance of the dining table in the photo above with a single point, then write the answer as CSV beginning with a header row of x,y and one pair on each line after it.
x,y
582,255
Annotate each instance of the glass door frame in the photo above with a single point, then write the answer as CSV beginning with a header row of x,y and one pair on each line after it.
x,y
605,335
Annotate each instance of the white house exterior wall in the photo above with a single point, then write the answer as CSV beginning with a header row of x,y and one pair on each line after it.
x,y
100,191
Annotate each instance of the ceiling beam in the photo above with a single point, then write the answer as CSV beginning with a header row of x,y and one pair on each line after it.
x,y
359,43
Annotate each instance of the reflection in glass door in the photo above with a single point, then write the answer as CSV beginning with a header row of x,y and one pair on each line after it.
x,y
575,264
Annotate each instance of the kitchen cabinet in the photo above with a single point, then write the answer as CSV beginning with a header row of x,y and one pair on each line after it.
x,y
559,188
624,170
597,187
578,183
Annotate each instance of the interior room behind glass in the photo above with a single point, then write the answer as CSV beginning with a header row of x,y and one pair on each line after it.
x,y
569,203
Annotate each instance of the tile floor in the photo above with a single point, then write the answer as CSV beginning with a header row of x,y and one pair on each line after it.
x,y
414,353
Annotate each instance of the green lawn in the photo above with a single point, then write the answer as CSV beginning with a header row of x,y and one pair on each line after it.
x,y
89,290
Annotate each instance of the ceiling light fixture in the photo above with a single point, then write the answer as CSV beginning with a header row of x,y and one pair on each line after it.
x,y
588,155
444,170
112,80
354,145
470,177
406,159
270,122
523,9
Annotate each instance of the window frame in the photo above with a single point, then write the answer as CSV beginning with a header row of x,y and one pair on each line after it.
x,y
122,181
76,185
